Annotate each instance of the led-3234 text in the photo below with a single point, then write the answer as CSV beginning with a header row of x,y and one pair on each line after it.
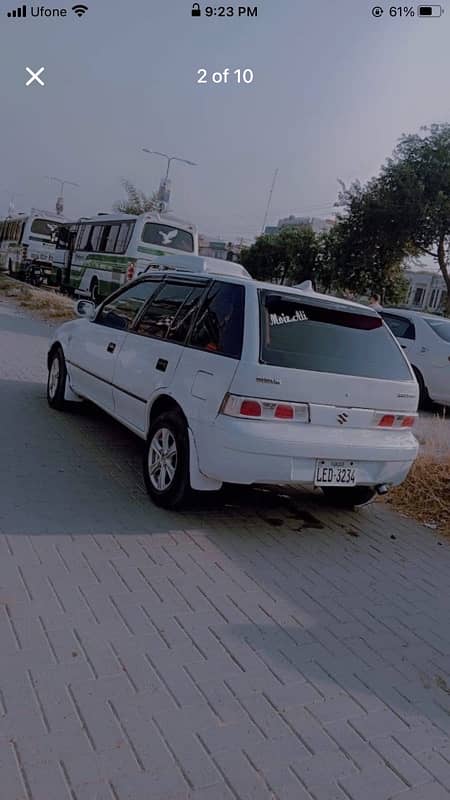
x,y
225,76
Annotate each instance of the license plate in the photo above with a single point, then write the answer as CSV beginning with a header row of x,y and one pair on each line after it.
x,y
335,473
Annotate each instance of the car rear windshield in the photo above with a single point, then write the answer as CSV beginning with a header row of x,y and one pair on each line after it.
x,y
324,337
441,327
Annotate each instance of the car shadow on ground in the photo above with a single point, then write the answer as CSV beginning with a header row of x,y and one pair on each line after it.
x,y
80,471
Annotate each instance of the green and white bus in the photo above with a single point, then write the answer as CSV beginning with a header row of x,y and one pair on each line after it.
x,y
96,255
28,237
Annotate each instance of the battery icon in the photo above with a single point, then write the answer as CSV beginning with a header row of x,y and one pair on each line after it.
x,y
430,11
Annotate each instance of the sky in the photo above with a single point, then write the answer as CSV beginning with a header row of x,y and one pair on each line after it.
x,y
333,90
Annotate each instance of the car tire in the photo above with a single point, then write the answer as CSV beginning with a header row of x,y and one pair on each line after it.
x,y
56,383
424,397
167,480
349,496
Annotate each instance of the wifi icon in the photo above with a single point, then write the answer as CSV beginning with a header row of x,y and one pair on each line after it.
x,y
79,9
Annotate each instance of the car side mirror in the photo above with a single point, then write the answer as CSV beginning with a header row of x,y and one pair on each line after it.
x,y
85,308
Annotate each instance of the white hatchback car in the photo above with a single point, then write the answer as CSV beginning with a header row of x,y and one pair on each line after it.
x,y
232,380
425,338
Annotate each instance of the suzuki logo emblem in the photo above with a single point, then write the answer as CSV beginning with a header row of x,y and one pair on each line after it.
x,y
342,417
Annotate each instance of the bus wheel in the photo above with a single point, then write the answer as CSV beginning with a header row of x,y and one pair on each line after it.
x,y
93,291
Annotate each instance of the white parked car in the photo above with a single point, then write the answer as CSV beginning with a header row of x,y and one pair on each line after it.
x,y
232,380
425,338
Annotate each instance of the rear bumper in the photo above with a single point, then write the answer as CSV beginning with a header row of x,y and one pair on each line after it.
x,y
243,451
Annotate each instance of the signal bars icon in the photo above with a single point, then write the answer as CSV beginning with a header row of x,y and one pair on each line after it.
x,y
18,12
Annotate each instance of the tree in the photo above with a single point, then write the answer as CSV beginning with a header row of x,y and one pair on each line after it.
x,y
262,259
365,250
290,256
136,202
416,181
403,212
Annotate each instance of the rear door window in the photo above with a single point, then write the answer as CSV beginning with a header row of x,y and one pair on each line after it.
x,y
182,323
325,337
160,315
219,327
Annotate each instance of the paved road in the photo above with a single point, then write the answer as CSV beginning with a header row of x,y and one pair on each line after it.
x,y
260,646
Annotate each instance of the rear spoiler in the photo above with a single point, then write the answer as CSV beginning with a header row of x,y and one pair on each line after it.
x,y
306,286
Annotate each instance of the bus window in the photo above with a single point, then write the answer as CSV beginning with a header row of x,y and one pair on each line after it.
x,y
44,228
83,237
95,238
124,236
109,238
63,238
168,236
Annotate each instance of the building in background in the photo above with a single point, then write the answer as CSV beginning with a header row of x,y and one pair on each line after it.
x,y
219,248
426,288
317,224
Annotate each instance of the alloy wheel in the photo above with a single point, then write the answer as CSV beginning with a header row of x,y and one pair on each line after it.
x,y
53,378
162,459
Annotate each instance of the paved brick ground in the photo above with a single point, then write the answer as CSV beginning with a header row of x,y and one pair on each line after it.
x,y
260,646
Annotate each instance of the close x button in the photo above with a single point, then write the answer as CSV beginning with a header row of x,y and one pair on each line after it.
x,y
35,76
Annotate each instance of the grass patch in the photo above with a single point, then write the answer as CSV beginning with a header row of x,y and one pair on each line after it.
x,y
425,494
48,305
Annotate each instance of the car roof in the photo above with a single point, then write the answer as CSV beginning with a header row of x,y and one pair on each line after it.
x,y
410,312
189,264
329,298
236,273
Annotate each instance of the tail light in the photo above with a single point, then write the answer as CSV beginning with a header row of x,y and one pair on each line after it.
x,y
396,420
256,408
130,271
386,421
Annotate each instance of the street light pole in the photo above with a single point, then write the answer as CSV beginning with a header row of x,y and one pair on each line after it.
x,y
12,201
60,199
169,161
274,180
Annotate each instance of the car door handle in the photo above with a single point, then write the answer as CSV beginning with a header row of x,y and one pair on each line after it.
x,y
403,346
161,364
111,347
